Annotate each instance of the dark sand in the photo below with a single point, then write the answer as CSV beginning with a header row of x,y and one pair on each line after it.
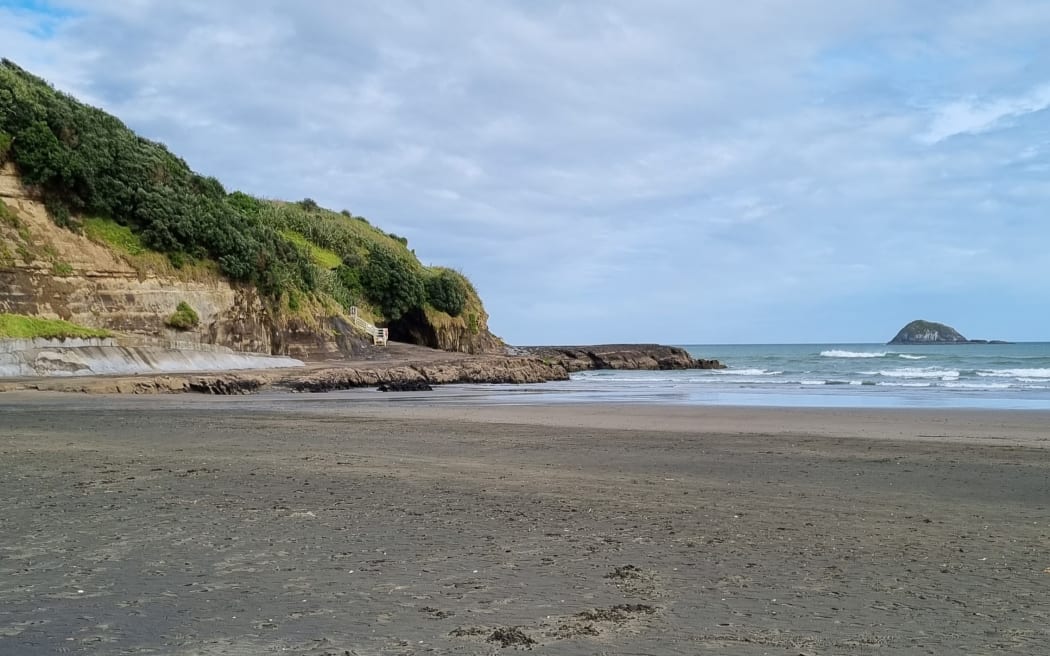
x,y
347,525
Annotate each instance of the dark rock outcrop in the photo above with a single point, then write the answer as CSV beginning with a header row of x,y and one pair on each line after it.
x,y
928,332
931,332
407,386
620,356
489,369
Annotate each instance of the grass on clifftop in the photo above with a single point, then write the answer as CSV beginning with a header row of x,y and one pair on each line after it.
x,y
18,326
108,231
322,257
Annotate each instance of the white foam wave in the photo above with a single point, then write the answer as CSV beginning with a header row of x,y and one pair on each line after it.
x,y
1041,374
835,353
908,356
979,385
884,384
747,372
921,372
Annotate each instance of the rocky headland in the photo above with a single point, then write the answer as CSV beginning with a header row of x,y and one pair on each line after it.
x,y
106,286
398,365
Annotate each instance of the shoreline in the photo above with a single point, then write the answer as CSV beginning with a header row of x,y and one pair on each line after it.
x,y
1020,428
367,523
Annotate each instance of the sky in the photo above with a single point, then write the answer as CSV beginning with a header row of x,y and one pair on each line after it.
x,y
617,171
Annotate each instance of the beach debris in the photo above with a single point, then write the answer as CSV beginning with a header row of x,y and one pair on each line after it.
x,y
511,636
625,572
617,613
436,613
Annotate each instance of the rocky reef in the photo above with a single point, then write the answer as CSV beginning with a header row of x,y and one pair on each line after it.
x,y
411,366
620,356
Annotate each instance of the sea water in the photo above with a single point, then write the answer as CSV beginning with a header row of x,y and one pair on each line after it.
x,y
999,376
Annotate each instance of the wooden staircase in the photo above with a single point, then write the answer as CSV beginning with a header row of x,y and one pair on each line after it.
x,y
379,335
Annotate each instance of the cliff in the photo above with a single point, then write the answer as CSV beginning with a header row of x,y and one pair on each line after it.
x,y
110,230
51,272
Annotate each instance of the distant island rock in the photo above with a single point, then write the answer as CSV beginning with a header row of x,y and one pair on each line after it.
x,y
931,332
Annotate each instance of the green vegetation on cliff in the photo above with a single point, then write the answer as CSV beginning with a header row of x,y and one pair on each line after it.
x,y
17,326
144,200
184,317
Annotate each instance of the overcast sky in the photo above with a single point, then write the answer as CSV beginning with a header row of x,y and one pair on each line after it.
x,y
673,171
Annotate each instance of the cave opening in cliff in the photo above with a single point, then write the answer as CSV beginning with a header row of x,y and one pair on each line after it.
x,y
413,328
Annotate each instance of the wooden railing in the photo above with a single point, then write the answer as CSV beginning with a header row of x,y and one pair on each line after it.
x,y
379,335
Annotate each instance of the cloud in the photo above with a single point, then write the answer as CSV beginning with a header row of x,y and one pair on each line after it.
x,y
974,116
719,169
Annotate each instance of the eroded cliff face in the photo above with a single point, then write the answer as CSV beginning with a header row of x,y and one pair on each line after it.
x,y
51,272
468,333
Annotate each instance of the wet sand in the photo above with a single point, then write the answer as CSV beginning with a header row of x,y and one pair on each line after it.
x,y
354,524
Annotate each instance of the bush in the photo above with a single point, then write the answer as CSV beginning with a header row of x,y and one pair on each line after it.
x,y
83,160
393,283
5,146
447,292
184,318
59,213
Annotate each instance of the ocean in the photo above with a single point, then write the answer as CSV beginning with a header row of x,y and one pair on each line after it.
x,y
993,376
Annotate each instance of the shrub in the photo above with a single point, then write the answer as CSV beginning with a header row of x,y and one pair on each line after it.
x,y
393,283
184,317
447,292
350,280
59,213
5,146
8,216
62,269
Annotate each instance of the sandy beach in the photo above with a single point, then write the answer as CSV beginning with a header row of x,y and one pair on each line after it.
x,y
358,523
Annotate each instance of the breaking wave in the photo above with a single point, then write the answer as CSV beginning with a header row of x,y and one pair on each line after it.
x,y
835,353
1016,373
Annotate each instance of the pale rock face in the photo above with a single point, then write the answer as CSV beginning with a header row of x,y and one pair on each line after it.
x,y
90,357
104,291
